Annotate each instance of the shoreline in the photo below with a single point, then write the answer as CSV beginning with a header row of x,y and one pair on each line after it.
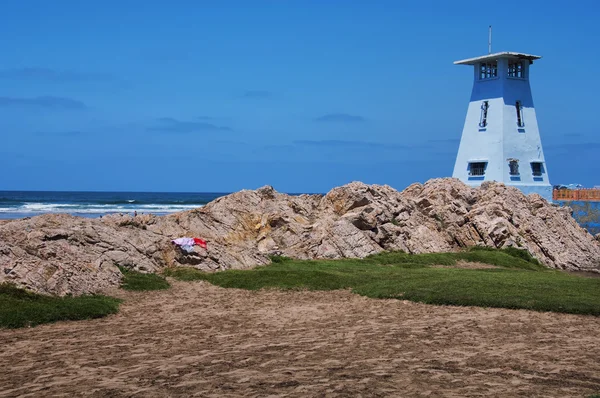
x,y
16,205
20,216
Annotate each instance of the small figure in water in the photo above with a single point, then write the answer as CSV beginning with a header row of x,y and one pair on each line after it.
x,y
135,213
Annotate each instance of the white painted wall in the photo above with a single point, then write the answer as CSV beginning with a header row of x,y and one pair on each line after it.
x,y
502,138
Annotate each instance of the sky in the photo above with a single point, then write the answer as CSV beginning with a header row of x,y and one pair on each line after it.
x,y
218,96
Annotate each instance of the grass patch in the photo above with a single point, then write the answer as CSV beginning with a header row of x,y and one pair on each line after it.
x,y
186,274
134,280
20,308
279,259
519,282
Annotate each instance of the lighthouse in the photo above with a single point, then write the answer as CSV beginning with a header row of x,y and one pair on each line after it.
x,y
500,139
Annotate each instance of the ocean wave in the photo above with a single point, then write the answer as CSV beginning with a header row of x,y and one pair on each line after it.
x,y
7,201
75,208
10,200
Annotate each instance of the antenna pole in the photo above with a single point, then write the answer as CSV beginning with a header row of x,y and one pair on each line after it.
x,y
490,40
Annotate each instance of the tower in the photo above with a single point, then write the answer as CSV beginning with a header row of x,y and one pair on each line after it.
x,y
500,139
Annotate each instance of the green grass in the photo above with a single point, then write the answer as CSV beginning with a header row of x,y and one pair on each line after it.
x,y
508,258
134,280
20,308
519,282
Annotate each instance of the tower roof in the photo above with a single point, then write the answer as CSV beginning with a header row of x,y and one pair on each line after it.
x,y
491,57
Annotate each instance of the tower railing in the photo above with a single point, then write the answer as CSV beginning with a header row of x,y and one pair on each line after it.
x,y
583,194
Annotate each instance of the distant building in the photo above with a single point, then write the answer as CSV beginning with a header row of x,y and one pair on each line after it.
x,y
501,140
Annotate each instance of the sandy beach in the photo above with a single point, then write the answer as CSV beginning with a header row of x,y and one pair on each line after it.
x,y
201,340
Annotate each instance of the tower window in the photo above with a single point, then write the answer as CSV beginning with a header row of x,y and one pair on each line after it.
x,y
477,168
513,165
488,70
519,109
515,69
484,111
536,168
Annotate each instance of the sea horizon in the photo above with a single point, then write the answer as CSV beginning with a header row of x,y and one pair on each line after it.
x,y
93,204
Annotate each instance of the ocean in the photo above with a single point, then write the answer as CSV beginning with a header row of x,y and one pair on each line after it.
x,y
19,204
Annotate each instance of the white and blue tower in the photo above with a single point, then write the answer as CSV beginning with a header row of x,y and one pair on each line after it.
x,y
501,140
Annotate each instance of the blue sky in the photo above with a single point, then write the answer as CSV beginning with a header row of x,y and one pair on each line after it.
x,y
302,95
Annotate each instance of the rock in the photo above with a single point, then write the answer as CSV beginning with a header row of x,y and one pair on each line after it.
x,y
62,254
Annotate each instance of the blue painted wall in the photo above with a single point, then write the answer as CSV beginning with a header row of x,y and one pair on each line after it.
x,y
586,213
502,139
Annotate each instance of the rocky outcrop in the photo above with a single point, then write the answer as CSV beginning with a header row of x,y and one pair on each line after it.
x,y
61,254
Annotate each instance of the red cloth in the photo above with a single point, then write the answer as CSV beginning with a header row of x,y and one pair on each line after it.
x,y
200,242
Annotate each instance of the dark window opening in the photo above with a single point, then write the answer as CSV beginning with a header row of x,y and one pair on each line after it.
x,y
477,168
484,112
488,70
516,69
513,165
519,109
536,168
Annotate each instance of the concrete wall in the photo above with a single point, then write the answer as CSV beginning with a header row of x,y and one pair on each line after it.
x,y
502,139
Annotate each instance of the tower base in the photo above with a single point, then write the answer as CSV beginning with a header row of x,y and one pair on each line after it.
x,y
545,191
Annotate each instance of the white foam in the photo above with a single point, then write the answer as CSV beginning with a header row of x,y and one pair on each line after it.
x,y
42,208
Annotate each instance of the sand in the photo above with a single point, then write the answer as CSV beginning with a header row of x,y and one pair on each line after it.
x,y
200,340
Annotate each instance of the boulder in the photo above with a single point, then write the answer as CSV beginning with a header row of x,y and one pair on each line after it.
x,y
62,254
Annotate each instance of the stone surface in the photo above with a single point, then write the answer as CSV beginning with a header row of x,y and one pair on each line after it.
x,y
62,254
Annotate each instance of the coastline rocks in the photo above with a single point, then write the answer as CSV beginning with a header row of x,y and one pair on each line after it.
x,y
62,254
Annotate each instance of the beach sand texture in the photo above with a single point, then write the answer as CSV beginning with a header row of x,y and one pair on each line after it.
x,y
197,339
